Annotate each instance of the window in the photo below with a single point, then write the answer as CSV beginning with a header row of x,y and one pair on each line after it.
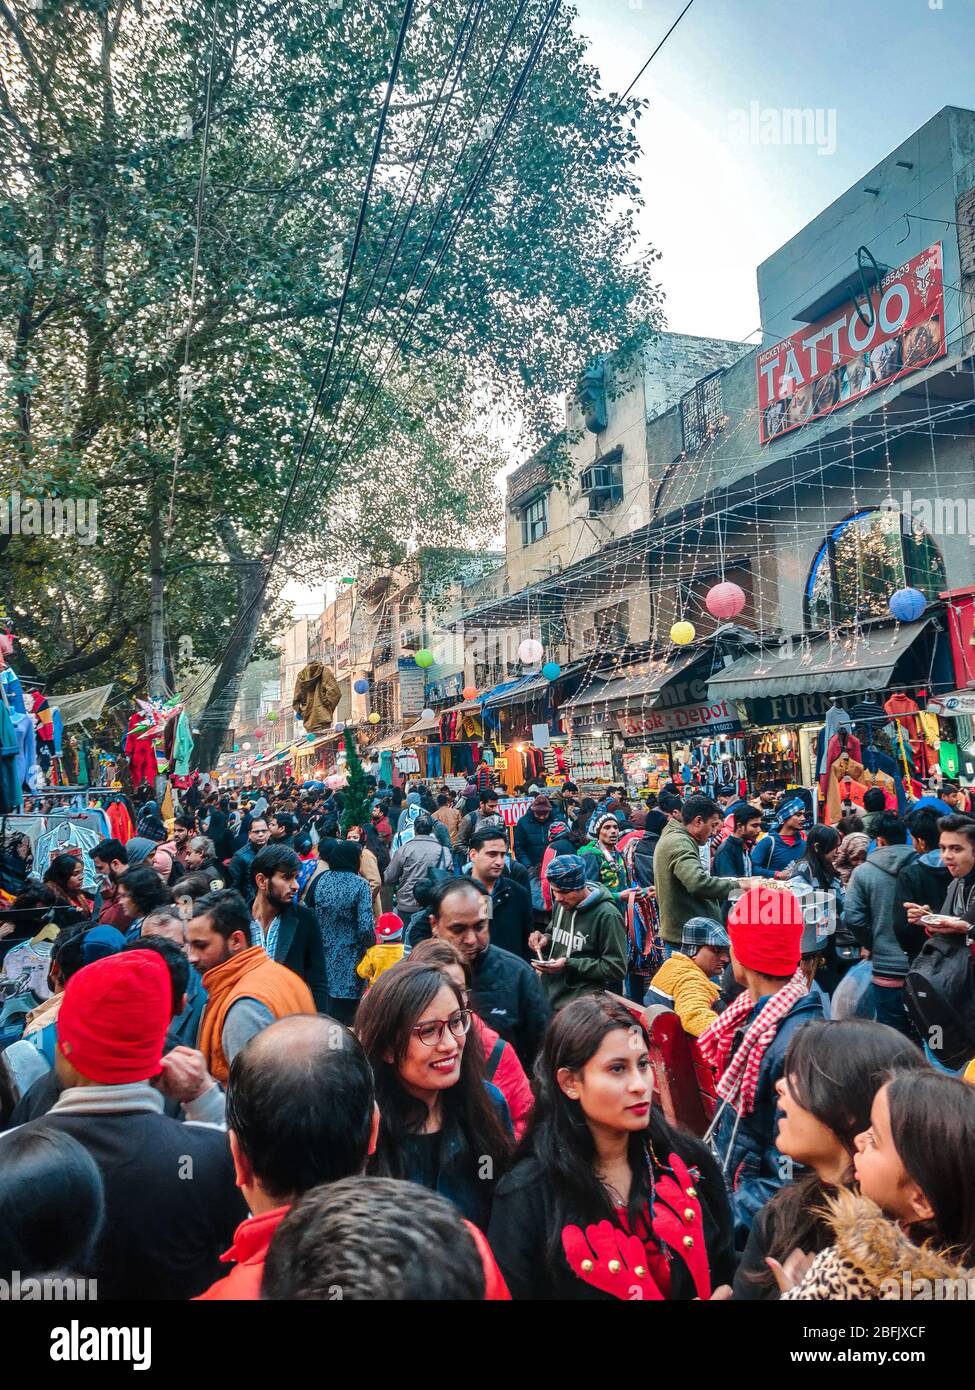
x,y
602,482
534,519
701,413
863,561
611,626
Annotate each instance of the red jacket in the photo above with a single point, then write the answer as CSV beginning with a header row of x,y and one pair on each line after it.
x,y
509,1077
253,1237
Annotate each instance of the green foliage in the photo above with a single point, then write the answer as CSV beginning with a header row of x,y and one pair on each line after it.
x,y
357,798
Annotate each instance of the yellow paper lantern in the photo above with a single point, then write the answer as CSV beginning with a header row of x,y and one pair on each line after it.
x,y
374,718
682,633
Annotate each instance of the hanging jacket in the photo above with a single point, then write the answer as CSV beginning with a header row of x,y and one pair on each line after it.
x,y
316,697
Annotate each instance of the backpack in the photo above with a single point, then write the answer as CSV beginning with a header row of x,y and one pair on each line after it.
x,y
940,995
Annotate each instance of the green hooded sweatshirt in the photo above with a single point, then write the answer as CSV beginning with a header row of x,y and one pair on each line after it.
x,y
593,938
684,887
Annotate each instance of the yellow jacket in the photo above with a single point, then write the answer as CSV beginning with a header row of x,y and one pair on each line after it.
x,y
379,958
969,1073
680,979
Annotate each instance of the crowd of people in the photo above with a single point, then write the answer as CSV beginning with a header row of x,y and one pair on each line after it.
x,y
414,1058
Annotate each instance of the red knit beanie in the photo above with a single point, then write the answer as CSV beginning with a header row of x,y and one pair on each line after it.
x,y
112,1024
765,926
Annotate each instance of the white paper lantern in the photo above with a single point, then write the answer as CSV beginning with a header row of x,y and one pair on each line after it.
x,y
530,652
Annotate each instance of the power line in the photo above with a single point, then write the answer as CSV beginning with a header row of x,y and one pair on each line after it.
x,y
653,55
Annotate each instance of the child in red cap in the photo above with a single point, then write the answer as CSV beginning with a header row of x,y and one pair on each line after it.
x,y
387,951
747,1044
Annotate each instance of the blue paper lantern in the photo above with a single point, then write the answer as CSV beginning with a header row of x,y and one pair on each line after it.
x,y
551,670
361,686
311,737
907,605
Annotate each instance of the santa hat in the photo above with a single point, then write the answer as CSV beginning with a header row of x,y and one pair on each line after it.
x,y
389,927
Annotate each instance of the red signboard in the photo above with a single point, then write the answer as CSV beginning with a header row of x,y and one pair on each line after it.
x,y
847,354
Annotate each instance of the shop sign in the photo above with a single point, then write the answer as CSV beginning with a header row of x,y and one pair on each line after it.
x,y
411,685
794,709
449,688
854,349
960,702
719,717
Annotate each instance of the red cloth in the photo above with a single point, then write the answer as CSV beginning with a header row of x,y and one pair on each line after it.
x,y
140,753
120,822
248,1252
253,1237
112,1024
833,750
765,927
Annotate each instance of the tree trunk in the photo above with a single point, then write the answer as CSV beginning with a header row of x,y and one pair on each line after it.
x,y
215,719
157,626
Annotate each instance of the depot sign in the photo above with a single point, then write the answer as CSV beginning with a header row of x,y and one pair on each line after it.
x,y
852,351
664,725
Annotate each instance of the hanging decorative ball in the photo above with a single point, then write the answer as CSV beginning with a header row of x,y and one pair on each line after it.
x,y
339,727
682,633
551,670
424,657
272,716
907,604
530,651
259,733
246,747
469,692
374,718
310,737
361,686
428,714
725,601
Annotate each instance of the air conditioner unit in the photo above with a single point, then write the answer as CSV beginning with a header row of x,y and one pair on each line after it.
x,y
589,637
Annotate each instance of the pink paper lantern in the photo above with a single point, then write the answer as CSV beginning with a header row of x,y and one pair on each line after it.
x,y
725,601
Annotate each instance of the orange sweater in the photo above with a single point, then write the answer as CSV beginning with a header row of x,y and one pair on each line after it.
x,y
251,974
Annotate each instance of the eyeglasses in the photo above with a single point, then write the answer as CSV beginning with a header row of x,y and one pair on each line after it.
x,y
430,1034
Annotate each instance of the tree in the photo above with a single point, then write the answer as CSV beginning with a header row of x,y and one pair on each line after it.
x,y
173,247
357,797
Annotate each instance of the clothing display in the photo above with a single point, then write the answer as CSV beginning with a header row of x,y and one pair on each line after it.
x,y
28,965
316,697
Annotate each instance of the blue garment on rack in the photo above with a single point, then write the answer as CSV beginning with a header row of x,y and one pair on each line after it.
x,y
14,690
433,760
26,745
461,758
57,731
11,796
386,766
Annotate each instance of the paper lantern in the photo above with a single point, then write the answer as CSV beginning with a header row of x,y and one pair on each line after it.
x,y
682,633
310,737
424,657
339,728
361,686
259,733
530,651
469,692
428,714
374,718
246,747
551,670
907,604
725,601
272,716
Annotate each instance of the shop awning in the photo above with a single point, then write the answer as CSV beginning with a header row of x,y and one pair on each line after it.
x,y
821,666
516,692
86,704
625,692
422,726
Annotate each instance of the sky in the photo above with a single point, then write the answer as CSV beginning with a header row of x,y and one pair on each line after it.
x,y
718,201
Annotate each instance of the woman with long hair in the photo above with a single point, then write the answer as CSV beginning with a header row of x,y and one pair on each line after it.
x,y
501,1063
912,1228
443,1125
832,1073
64,877
342,903
605,1197
821,894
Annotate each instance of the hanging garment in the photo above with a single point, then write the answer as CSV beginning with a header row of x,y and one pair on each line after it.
x,y
842,767
29,965
886,775
446,759
83,775
67,837
57,732
316,697
386,767
121,823
13,690
42,717
407,763
182,746
26,745
907,712
948,758
140,753
11,796
833,750
433,760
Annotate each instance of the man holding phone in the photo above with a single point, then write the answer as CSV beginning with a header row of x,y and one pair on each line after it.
x,y
585,950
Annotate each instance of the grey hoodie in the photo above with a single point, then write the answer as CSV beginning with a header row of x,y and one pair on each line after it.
x,y
869,908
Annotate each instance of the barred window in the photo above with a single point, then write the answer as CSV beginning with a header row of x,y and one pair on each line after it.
x,y
701,413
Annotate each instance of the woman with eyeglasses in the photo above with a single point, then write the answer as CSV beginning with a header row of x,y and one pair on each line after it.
x,y
442,1124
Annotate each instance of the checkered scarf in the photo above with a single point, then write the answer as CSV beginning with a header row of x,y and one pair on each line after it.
x,y
738,1077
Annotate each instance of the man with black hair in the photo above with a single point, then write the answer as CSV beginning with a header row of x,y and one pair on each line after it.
x,y
415,861
140,891
487,813
505,992
869,908
511,904
733,859
239,867
684,887
379,1239
301,1111
287,931
111,859
874,805
925,879
246,989
184,829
